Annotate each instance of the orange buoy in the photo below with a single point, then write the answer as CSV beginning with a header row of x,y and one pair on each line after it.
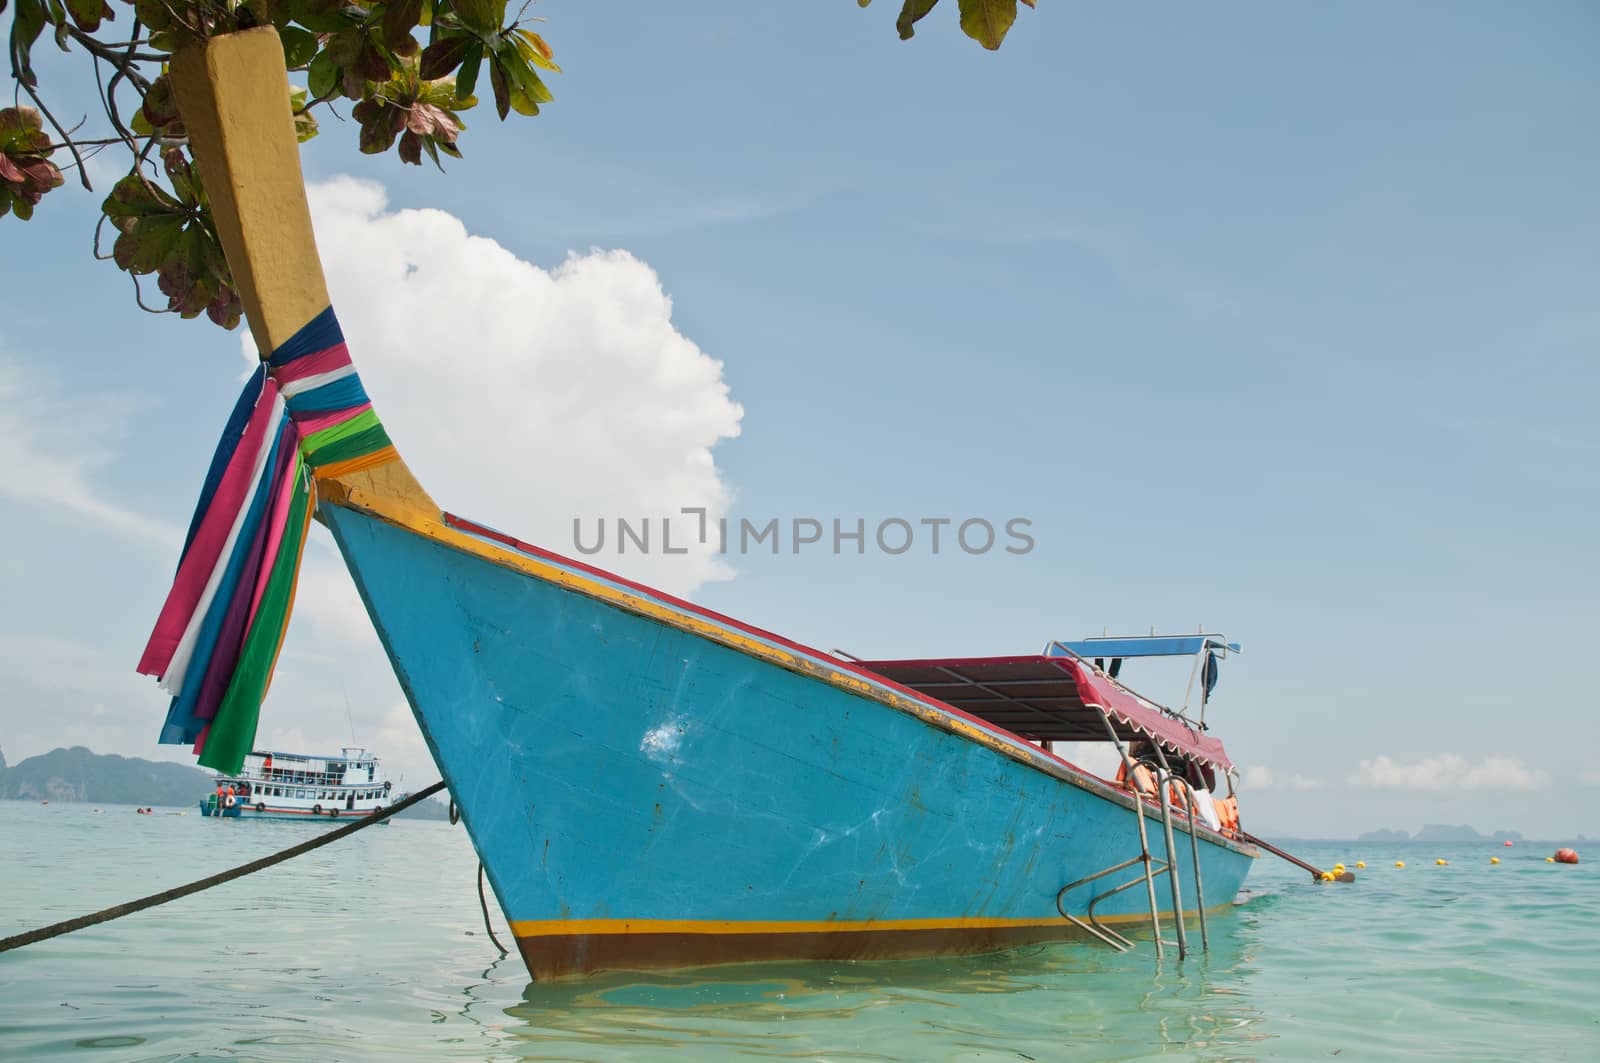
x,y
1566,856
1508,843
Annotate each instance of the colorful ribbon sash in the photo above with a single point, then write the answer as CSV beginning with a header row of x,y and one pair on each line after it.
x,y
302,416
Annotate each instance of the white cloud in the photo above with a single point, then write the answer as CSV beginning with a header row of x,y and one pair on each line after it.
x,y
521,396
1260,777
53,447
1447,771
524,397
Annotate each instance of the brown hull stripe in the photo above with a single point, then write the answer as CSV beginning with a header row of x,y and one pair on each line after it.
x,y
563,955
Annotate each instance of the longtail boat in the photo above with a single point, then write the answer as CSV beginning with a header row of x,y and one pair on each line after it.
x,y
650,784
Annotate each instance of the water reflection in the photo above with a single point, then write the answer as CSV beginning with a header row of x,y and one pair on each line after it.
x,y
1035,1002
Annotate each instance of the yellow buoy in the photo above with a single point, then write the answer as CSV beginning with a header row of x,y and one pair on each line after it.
x,y
1494,859
1338,868
1441,861
1361,863
1549,859
1402,863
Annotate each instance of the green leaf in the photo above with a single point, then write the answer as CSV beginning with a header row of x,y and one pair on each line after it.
x,y
520,75
88,13
479,15
910,14
467,76
58,19
299,46
502,91
26,25
305,123
322,76
184,177
134,198
433,151
145,246
987,21
160,106
155,16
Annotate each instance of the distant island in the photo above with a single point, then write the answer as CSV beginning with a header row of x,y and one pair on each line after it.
x,y
79,774
1384,836
1440,832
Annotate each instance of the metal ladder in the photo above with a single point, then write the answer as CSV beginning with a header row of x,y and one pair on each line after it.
x,y
1151,867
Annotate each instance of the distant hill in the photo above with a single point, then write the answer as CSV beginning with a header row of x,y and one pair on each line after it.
x,y
76,774
432,808
1384,836
1440,832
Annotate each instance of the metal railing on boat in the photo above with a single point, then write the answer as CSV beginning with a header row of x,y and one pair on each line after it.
x,y
1150,866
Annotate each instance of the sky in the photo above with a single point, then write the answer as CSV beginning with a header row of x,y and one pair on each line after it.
x,y
1280,321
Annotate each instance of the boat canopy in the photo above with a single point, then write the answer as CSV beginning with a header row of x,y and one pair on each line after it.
x,y
1050,698
1142,646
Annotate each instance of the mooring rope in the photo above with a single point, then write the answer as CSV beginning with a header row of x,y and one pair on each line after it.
x,y
45,933
483,903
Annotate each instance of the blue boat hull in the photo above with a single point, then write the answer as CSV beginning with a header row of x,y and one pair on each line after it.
x,y
645,796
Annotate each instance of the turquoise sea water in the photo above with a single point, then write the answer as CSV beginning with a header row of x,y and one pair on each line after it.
x,y
373,948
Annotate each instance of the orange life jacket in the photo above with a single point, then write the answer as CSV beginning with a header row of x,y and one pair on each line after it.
x,y
1228,813
1143,781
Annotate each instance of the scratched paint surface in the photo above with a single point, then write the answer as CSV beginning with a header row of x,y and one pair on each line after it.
x,y
611,767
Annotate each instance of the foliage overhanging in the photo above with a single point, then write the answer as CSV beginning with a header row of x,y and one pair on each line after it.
x,y
407,67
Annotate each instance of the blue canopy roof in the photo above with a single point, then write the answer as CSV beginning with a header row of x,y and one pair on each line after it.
x,y
1141,646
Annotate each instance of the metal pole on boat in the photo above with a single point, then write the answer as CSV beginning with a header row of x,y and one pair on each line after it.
x,y
1163,780
1194,670
1199,883
1144,838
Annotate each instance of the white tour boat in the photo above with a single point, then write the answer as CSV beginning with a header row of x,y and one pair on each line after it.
x,y
295,786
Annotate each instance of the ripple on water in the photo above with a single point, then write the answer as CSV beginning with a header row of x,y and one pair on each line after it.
x,y
373,949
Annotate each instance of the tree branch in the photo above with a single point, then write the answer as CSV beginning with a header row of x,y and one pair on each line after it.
x,y
61,131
